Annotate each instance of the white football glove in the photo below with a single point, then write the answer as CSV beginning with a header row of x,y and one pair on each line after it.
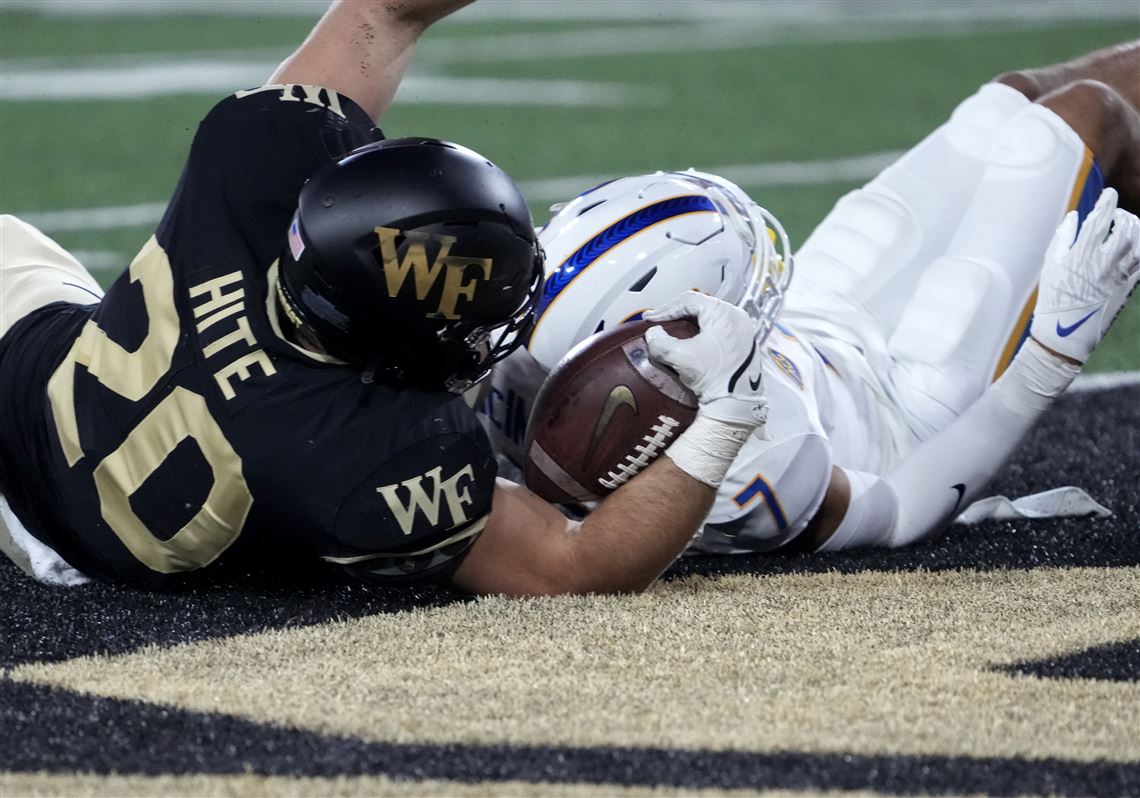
x,y
722,365
1086,281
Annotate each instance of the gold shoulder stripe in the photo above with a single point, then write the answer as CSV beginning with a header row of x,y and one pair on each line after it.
x,y
469,531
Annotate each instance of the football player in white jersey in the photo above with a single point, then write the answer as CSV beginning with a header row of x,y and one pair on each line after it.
x,y
933,317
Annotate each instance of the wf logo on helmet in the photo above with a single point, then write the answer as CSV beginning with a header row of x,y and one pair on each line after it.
x,y
427,272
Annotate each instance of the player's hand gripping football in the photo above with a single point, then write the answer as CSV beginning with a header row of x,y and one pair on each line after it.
x,y
1087,278
721,365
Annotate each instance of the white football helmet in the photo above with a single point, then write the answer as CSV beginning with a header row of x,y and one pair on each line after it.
x,y
633,244
625,247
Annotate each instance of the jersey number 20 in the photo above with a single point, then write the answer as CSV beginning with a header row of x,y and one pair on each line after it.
x,y
181,414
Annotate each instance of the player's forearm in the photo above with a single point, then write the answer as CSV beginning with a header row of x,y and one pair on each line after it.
x,y
529,548
626,543
940,478
419,12
361,48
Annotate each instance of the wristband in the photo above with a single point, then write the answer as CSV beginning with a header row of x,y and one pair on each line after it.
x,y
707,448
1034,380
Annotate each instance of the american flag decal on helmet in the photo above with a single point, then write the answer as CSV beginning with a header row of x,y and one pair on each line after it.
x,y
296,245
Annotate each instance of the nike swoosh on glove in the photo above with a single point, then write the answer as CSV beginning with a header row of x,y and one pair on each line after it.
x,y
721,364
1087,278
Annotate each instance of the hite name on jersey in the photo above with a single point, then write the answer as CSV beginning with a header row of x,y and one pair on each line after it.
x,y
225,306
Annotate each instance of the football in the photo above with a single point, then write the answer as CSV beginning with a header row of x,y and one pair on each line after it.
x,y
604,413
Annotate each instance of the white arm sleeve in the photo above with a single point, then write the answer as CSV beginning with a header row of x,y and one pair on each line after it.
x,y
947,472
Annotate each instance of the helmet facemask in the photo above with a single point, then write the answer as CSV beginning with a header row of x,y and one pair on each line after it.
x,y
771,268
469,352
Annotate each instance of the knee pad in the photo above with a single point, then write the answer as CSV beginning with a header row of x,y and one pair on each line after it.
x,y
951,328
948,304
1033,138
866,227
974,122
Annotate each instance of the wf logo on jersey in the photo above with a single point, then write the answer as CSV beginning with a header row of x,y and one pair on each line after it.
x,y
427,272
427,494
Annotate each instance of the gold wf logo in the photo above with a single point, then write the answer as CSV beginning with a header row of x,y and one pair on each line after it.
x,y
425,493
427,272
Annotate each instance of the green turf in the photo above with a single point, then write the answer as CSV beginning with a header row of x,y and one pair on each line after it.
x,y
791,102
28,35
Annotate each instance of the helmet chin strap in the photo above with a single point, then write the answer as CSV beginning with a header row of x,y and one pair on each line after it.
x,y
301,334
298,331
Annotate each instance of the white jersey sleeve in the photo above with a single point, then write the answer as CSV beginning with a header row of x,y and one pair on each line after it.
x,y
506,405
774,487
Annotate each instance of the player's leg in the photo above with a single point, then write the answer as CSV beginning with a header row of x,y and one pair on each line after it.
x,y
1118,66
859,269
1110,127
861,260
35,271
972,306
864,259
33,557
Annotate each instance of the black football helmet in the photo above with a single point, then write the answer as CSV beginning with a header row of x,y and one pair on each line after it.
x,y
415,260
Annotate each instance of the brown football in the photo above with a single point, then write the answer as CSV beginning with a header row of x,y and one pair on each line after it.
x,y
604,413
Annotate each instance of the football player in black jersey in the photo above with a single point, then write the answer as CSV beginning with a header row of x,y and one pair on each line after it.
x,y
277,375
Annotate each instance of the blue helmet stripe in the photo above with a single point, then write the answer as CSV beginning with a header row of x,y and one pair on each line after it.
x,y
613,235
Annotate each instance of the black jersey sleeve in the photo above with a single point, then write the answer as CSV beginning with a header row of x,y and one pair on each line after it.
x,y
414,517
250,157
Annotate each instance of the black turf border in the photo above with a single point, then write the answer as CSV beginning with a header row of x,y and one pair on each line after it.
x,y
57,731
1112,662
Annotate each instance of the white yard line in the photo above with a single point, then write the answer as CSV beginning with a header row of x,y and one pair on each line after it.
x,y
680,27
754,175
780,173
101,259
219,77
774,11
112,217
1105,381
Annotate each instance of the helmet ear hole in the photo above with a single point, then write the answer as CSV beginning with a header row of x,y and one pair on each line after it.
x,y
644,281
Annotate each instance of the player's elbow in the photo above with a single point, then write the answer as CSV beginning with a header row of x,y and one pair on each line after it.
x,y
572,581
1023,81
578,573
421,14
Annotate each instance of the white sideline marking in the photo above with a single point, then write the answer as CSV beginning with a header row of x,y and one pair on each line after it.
x,y
101,259
780,173
1086,383
682,27
756,175
776,11
219,77
109,218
